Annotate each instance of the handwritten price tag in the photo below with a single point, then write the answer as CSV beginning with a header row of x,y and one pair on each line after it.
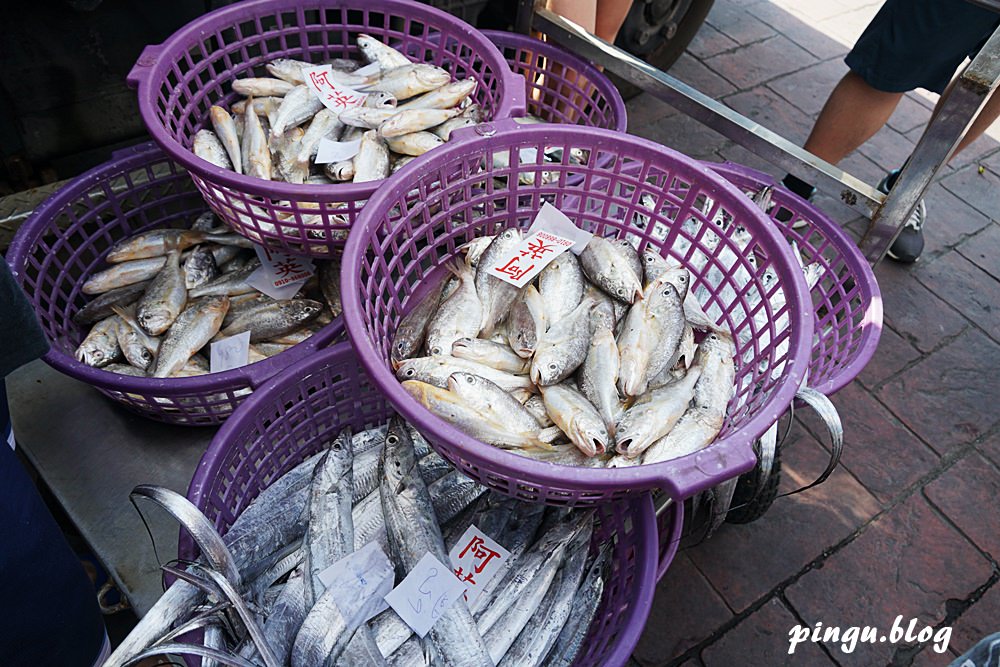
x,y
476,559
334,95
229,353
280,275
365,575
529,258
336,151
425,594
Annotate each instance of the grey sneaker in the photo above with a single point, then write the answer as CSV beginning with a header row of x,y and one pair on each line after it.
x,y
908,246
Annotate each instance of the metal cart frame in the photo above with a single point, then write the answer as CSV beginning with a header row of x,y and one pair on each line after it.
x,y
887,213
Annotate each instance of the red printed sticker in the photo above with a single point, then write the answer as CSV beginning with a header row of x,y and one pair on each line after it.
x,y
334,95
476,559
280,275
529,258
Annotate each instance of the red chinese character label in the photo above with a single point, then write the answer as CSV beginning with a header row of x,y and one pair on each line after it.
x,y
529,258
280,275
475,559
334,95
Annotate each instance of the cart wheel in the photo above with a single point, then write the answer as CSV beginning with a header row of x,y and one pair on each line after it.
x,y
746,508
658,31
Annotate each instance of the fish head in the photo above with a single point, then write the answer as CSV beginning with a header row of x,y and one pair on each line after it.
x,y
588,436
410,369
380,99
155,320
462,345
463,384
91,355
398,460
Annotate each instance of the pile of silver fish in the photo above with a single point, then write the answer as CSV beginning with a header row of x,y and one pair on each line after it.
x,y
167,294
275,133
257,594
596,363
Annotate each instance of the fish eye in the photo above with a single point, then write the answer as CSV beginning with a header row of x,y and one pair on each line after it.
x,y
552,367
621,291
399,346
470,379
336,446
409,372
683,279
392,440
435,350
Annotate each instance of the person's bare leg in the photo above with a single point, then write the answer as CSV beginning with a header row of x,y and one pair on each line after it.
x,y
852,114
581,12
610,17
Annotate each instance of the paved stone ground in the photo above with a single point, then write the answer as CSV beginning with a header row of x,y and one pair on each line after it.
x,y
908,524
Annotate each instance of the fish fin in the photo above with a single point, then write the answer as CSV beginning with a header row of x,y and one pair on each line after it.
x,y
124,314
548,435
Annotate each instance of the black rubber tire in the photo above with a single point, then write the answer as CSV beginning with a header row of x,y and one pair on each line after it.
x,y
667,54
747,511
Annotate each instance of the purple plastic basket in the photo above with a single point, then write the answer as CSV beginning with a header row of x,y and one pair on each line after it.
x,y
180,79
65,241
847,303
396,251
299,412
561,87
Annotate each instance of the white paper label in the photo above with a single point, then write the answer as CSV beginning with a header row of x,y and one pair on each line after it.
x,y
229,353
476,559
334,95
336,151
529,258
367,574
425,594
554,221
280,275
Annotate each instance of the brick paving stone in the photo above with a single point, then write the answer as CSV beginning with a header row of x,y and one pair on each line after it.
x,y
929,658
766,107
909,562
976,622
758,62
910,115
745,562
691,71
808,88
948,397
644,110
978,152
990,447
912,310
884,457
708,42
965,287
799,31
686,610
888,149
950,220
762,639
891,356
684,134
983,249
965,493
982,191
737,23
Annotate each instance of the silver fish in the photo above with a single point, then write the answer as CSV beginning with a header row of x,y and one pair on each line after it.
x,y
653,326
225,130
324,125
577,418
192,330
654,414
695,430
525,323
585,605
125,369
154,243
560,285
330,535
274,319
609,268
563,348
536,406
414,120
288,70
340,171
372,161
365,117
412,532
717,382
137,347
232,283
436,370
494,355
165,297
100,347
446,97
496,295
100,308
459,316
408,80
598,376
264,87
654,264
445,129
492,401
378,52
631,255
262,106
412,329
256,154
415,144
207,146
200,267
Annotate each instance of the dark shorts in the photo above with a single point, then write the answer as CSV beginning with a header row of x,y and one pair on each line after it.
x,y
919,43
